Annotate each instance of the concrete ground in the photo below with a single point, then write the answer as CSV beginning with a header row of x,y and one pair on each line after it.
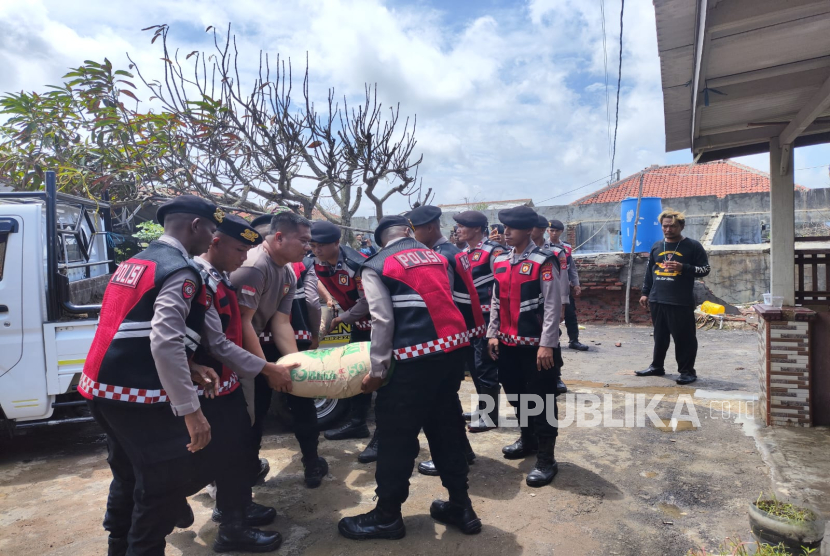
x,y
620,490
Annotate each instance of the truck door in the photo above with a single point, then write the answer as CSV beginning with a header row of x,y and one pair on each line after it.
x,y
11,291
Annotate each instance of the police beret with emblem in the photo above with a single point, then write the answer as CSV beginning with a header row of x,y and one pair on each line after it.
x,y
471,219
424,215
556,224
542,223
190,204
521,218
389,222
324,232
262,220
239,229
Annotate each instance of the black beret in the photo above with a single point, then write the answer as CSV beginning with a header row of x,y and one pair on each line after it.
x,y
471,219
556,224
239,229
521,218
262,220
190,204
390,222
542,222
424,215
324,232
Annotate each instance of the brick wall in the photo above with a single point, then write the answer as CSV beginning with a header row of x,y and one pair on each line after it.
x,y
602,278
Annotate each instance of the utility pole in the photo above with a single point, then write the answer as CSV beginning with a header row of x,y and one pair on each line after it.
x,y
633,247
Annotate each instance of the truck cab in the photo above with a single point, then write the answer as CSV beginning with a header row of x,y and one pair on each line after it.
x,y
55,262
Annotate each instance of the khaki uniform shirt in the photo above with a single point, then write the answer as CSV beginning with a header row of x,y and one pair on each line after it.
x,y
552,292
264,286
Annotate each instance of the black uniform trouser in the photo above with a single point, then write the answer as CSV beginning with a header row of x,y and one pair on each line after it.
x,y
570,320
360,403
421,394
677,322
484,371
153,473
519,376
303,411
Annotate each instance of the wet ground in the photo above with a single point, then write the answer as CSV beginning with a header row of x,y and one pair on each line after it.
x,y
650,490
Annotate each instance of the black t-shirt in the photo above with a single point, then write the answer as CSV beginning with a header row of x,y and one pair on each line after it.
x,y
675,288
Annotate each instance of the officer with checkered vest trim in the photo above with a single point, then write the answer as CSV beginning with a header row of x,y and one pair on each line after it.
x,y
336,266
426,221
418,335
473,228
163,445
305,310
524,337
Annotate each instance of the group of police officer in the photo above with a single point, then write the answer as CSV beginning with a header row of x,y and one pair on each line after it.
x,y
180,373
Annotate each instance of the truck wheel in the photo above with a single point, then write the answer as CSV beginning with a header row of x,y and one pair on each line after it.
x,y
330,412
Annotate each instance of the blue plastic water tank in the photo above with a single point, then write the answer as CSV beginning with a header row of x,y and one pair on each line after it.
x,y
649,229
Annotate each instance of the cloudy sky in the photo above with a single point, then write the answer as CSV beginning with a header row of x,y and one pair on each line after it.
x,y
510,95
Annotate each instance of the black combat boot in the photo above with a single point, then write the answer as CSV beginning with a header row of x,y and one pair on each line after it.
x,y
235,536
428,467
546,467
651,371
377,524
355,428
315,470
523,447
370,454
256,515
117,546
481,425
561,388
462,517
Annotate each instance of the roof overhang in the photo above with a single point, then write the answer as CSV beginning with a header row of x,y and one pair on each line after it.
x,y
737,73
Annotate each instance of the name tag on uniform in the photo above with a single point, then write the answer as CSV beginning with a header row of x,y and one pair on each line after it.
x,y
526,268
128,274
465,261
412,259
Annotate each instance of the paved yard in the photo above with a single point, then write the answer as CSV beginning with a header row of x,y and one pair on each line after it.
x,y
627,491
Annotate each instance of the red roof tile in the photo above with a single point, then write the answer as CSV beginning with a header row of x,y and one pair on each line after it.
x,y
720,178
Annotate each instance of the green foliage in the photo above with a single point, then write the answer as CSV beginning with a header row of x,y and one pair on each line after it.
x,y
148,231
735,547
785,511
84,130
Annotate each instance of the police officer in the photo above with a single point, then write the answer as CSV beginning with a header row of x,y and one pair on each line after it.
x,y
482,251
267,285
524,337
336,266
222,352
427,229
416,323
162,445
306,312
555,229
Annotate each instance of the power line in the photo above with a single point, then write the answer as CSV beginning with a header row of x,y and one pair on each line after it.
x,y
571,191
605,63
619,83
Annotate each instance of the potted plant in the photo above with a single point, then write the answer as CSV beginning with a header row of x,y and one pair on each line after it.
x,y
775,522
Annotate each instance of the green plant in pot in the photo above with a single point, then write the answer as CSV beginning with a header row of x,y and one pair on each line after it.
x,y
776,522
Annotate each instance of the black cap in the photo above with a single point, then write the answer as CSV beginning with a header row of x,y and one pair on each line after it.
x,y
190,204
471,219
424,215
239,229
262,220
556,224
521,218
542,222
324,232
390,222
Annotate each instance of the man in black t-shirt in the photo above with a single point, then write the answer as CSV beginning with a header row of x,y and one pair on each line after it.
x,y
668,291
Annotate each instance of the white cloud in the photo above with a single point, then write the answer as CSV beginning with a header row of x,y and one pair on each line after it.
x,y
510,103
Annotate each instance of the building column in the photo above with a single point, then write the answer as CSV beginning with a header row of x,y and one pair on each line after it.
x,y
782,223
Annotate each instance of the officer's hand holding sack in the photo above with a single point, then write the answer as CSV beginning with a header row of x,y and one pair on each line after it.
x,y
329,373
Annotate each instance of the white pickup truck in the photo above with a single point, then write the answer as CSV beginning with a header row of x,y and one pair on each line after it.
x,y
55,263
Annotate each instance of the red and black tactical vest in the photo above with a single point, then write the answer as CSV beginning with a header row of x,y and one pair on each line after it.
x,y
227,305
480,257
300,320
427,320
464,293
520,302
341,282
120,365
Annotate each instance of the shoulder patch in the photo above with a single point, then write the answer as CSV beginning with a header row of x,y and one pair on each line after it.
x,y
188,288
285,288
208,300
497,251
248,290
547,272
